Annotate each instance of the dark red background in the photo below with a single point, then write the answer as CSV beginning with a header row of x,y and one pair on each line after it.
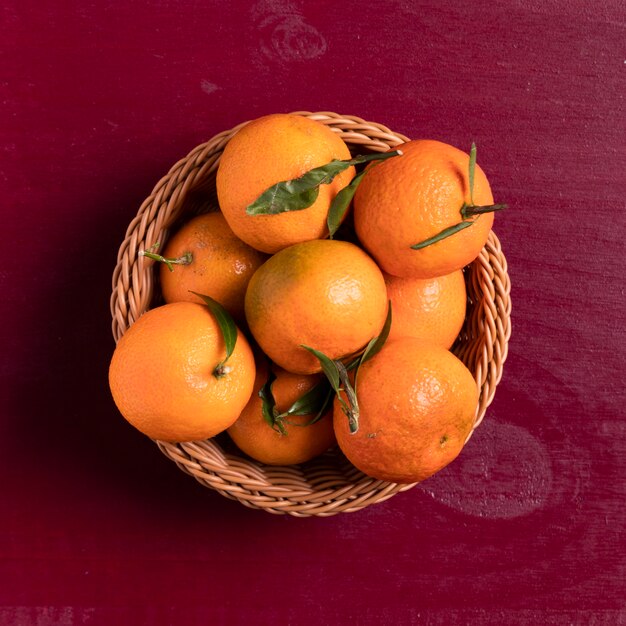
x,y
99,99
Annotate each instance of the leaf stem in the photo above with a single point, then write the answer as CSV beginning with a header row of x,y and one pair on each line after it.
x,y
352,407
221,369
185,259
469,210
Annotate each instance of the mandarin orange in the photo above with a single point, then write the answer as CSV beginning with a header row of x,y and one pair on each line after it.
x,y
432,309
326,294
270,150
296,440
417,404
209,259
407,200
163,375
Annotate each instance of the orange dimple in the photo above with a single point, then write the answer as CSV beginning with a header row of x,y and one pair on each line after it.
x,y
269,150
405,200
417,406
328,295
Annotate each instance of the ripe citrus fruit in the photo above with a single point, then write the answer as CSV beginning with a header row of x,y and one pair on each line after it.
x,y
432,309
270,150
209,259
300,442
408,199
417,405
326,294
162,374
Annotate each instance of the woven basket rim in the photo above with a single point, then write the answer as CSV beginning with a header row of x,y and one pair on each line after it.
x,y
305,490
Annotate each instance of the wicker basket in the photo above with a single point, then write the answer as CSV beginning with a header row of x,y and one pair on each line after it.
x,y
329,484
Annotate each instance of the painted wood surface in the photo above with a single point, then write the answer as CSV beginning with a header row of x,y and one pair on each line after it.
x,y
99,99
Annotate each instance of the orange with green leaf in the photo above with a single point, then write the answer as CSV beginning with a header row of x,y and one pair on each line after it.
x,y
403,409
182,372
288,419
415,407
427,213
267,152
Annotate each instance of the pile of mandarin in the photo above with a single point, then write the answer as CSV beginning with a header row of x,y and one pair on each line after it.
x,y
316,305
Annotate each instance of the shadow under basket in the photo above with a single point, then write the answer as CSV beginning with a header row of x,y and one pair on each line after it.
x,y
328,484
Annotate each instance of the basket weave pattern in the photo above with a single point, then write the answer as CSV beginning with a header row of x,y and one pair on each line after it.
x,y
329,484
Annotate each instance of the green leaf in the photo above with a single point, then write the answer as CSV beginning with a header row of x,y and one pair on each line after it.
x,y
324,407
446,232
283,197
472,168
376,344
329,367
299,193
315,402
268,406
311,402
337,375
227,327
340,204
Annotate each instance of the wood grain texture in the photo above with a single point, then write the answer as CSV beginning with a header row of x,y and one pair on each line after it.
x,y
99,99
